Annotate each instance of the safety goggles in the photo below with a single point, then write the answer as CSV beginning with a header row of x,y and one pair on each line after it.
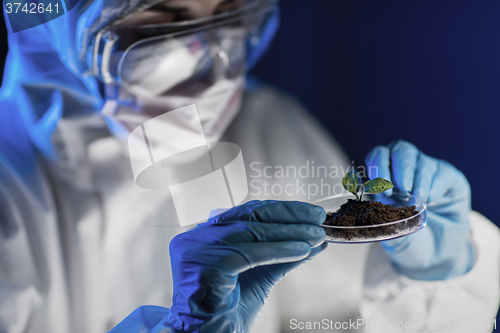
x,y
206,41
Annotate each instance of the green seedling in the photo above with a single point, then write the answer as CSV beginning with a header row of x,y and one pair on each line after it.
x,y
352,183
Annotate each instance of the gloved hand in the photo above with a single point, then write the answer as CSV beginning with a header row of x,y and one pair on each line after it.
x,y
442,249
223,270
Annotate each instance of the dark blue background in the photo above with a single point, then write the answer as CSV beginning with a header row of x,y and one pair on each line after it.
x,y
374,71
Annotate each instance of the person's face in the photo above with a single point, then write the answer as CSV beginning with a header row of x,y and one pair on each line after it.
x,y
170,11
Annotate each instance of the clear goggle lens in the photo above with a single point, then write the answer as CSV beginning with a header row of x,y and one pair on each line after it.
x,y
161,65
160,57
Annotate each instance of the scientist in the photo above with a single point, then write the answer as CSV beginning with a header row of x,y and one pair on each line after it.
x,y
84,249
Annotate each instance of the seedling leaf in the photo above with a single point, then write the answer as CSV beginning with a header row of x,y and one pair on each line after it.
x,y
351,181
377,185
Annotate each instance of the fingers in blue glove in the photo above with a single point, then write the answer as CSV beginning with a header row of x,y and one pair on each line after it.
x,y
227,233
441,250
405,166
412,171
239,246
404,157
274,211
425,174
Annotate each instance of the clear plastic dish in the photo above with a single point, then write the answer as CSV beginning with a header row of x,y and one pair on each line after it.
x,y
379,232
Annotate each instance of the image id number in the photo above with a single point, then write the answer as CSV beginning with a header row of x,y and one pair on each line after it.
x,y
31,8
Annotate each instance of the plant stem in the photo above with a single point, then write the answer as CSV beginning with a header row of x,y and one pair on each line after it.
x,y
357,197
360,196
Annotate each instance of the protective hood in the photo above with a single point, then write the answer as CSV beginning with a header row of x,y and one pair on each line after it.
x,y
47,81
46,76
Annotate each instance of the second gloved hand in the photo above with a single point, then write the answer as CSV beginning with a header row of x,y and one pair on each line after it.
x,y
441,250
224,269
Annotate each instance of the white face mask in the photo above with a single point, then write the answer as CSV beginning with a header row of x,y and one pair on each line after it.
x,y
189,74
217,106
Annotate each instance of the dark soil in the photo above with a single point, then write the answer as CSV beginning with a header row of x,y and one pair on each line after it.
x,y
362,213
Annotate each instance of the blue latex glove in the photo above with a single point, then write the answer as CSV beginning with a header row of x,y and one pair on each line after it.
x,y
441,250
223,270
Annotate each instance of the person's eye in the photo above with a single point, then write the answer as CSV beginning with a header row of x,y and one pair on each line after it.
x,y
157,15
170,14
228,6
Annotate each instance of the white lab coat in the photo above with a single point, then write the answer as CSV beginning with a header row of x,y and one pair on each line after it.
x,y
81,246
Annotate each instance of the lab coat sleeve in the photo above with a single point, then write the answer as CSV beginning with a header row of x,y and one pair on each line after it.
x,y
393,302
18,294
19,291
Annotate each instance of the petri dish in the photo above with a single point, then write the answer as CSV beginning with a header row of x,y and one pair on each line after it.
x,y
378,232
